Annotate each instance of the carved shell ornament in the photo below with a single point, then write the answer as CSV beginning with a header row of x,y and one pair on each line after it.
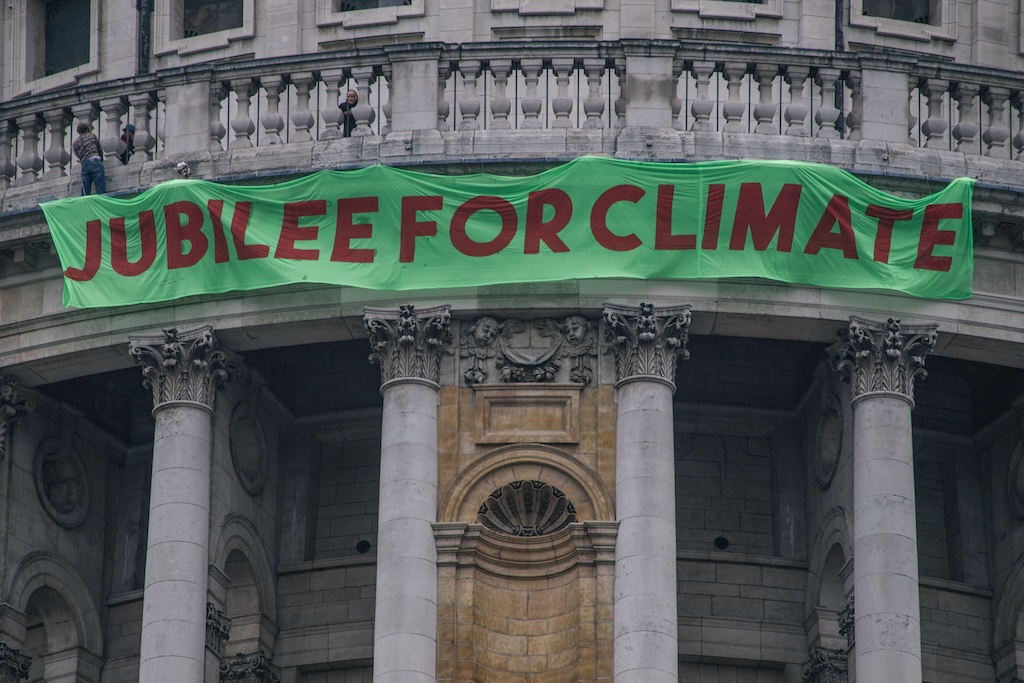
x,y
526,508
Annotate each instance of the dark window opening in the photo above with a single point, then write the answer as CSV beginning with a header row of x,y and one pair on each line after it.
x,y
66,35
207,16
351,5
917,11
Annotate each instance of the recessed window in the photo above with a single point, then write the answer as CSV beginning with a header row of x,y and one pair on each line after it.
x,y
201,17
352,5
58,36
917,11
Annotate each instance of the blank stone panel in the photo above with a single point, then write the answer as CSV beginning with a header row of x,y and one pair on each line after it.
x,y
348,483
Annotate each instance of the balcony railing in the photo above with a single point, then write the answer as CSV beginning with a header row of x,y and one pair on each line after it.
x,y
515,87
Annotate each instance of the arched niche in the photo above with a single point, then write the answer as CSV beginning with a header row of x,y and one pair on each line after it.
x,y
827,590
243,586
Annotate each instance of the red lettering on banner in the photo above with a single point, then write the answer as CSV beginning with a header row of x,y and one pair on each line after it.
x,y
836,213
347,230
412,228
931,236
599,218
750,215
663,237
886,220
93,253
509,222
537,229
713,217
190,231
119,245
292,232
239,224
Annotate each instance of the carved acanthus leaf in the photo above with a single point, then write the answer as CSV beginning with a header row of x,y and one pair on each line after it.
x,y
218,628
888,357
647,340
408,344
188,367
249,668
14,666
13,407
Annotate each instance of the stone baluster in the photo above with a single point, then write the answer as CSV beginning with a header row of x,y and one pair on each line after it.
x,y
408,346
444,72
678,67
532,105
161,131
29,161
1018,139
242,123
331,113
56,155
183,372
996,132
385,73
363,77
797,109
302,118
965,132
8,134
143,104
913,83
469,103
856,115
934,127
647,342
702,106
881,362
619,67
766,108
827,115
13,408
734,108
501,105
217,130
113,108
272,121
561,104
593,105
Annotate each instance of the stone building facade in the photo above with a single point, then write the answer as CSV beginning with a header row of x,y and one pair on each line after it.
x,y
724,481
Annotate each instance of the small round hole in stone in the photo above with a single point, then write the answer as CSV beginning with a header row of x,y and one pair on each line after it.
x,y
721,542
362,547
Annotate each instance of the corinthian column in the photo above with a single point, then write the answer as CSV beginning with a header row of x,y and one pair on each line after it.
x,y
183,371
408,345
881,362
647,343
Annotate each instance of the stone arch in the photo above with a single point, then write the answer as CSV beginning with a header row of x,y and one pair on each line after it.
x,y
826,585
834,531
248,594
535,462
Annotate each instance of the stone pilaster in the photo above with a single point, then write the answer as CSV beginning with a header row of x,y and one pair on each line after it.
x,y
408,345
881,362
647,342
13,407
183,371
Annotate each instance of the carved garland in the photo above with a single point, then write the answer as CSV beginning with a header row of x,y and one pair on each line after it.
x,y
876,357
183,367
409,345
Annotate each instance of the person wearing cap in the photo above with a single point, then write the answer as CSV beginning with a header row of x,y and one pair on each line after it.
x,y
87,148
128,138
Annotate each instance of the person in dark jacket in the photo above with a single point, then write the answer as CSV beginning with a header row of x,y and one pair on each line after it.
x,y
348,121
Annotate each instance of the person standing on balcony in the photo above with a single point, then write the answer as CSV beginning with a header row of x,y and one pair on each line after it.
x,y
87,148
348,121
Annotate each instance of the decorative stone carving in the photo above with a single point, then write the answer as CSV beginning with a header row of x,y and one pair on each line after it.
x,y
526,508
186,367
218,629
826,666
14,666
406,344
250,668
521,356
829,442
845,619
248,448
647,340
61,483
12,409
887,358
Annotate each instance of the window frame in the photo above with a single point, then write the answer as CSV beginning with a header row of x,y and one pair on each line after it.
x,y
16,52
168,34
944,29
326,15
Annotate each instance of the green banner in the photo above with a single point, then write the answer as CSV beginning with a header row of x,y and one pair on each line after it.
x,y
391,229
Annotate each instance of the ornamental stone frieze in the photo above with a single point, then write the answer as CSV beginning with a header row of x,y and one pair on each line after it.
x,y
408,343
249,668
187,367
218,629
647,340
533,352
13,407
14,666
877,357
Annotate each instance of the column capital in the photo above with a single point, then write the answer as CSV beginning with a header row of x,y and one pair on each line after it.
x,y
408,344
13,407
882,357
14,666
647,339
218,629
182,368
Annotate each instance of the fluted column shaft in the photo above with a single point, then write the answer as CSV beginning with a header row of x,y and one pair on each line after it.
x,y
408,348
881,361
183,371
647,342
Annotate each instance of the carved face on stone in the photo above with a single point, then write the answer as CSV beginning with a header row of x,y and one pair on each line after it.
x,y
484,331
577,329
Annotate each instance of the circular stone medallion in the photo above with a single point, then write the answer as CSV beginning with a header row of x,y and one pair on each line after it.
x,y
61,484
248,454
